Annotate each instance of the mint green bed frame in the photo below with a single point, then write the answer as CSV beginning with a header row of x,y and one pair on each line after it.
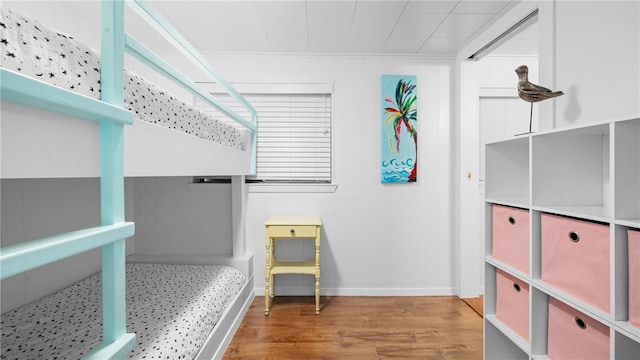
x,y
109,112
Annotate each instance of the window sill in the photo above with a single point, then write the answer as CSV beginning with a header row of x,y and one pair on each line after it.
x,y
292,188
209,187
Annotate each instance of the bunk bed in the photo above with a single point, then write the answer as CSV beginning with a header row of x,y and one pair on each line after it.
x,y
56,100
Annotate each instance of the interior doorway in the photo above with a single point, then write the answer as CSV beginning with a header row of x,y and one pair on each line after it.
x,y
490,110
502,114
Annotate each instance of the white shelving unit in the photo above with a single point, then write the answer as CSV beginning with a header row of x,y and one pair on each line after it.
x,y
589,173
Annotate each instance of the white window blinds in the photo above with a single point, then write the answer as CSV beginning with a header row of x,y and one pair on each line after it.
x,y
294,135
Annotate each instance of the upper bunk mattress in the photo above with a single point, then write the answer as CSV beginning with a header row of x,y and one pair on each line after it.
x,y
36,51
171,309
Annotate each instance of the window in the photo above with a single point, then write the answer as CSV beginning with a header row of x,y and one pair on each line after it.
x,y
294,132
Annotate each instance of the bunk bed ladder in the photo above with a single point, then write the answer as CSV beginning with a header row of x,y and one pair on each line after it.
x,y
110,114
116,342
111,235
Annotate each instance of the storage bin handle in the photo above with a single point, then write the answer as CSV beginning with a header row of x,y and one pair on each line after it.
x,y
512,220
581,324
517,287
573,236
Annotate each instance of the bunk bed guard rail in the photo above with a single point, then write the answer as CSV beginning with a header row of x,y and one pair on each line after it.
x,y
165,29
109,112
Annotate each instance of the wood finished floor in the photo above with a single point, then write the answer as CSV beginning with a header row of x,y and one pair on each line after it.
x,y
443,327
477,304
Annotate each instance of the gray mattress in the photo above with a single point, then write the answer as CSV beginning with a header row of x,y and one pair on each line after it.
x,y
171,308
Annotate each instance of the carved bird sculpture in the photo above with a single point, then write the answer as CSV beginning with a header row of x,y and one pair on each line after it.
x,y
530,92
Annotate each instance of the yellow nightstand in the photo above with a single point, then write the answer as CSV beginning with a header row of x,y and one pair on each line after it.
x,y
290,228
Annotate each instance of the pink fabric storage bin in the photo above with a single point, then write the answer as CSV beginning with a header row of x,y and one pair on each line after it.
x,y
573,335
510,237
512,303
575,258
634,277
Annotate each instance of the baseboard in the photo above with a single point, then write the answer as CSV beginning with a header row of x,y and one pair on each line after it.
x,y
297,291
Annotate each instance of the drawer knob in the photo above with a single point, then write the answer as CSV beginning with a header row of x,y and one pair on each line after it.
x,y
516,286
512,220
573,236
292,229
581,324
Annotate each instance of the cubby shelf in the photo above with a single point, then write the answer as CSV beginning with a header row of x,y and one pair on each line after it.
x,y
507,171
626,171
590,173
515,338
502,347
508,269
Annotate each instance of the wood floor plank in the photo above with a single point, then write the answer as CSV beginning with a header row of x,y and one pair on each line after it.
x,y
476,304
359,328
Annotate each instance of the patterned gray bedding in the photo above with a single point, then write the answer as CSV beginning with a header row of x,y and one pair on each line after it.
x,y
34,50
171,308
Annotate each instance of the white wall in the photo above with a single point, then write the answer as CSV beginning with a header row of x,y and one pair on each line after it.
x,y
588,49
497,84
173,216
502,114
398,239
377,239
597,61
37,208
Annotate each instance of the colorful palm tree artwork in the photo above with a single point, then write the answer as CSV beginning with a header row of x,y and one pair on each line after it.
x,y
400,148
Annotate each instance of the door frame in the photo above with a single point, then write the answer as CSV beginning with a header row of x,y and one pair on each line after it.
x,y
468,240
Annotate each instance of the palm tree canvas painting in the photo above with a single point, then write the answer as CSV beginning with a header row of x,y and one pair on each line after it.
x,y
399,129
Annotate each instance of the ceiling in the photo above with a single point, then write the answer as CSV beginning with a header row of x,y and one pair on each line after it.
x,y
427,28
417,27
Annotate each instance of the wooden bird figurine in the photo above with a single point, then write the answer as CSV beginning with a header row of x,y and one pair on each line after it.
x,y
530,92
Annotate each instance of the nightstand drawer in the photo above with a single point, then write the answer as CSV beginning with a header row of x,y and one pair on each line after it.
x,y
291,231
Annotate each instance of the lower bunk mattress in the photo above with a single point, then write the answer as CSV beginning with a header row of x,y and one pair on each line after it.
x,y
171,309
